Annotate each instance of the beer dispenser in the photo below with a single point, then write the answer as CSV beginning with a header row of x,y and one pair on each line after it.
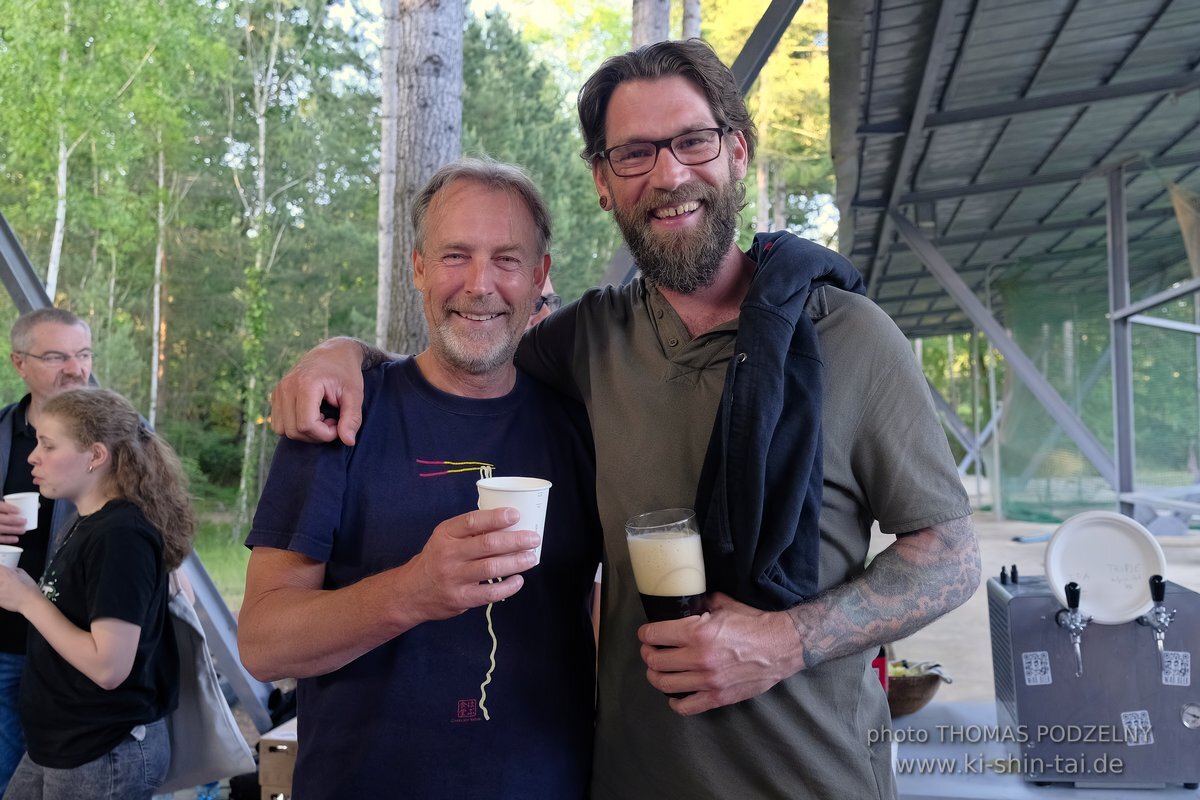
x,y
1092,662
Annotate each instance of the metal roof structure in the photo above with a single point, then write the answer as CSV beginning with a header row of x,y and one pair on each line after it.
x,y
978,141
992,125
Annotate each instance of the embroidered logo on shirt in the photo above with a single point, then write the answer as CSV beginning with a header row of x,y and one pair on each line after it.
x,y
452,467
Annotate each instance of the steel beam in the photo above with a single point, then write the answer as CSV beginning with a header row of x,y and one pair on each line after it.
x,y
220,628
23,284
1121,336
1016,184
1167,324
1190,286
762,42
1020,363
1172,84
915,138
953,422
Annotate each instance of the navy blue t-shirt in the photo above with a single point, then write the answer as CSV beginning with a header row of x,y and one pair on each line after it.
x,y
497,702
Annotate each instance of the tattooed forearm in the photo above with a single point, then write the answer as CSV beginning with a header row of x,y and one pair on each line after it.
x,y
913,582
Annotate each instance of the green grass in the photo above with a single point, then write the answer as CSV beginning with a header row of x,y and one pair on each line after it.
x,y
223,556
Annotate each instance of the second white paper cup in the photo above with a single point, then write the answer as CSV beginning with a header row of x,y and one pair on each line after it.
x,y
28,503
527,495
10,555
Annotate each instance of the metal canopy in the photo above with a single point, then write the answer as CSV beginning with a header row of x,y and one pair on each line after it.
x,y
993,125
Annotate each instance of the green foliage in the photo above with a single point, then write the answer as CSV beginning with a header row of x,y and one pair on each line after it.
x,y
514,111
224,559
790,106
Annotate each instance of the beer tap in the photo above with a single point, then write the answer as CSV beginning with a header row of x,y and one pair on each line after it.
x,y
1071,619
1158,618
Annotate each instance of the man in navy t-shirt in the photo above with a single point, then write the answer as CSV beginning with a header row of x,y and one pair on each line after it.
x,y
436,656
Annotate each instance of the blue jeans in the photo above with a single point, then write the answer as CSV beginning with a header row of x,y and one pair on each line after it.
x,y
12,736
130,771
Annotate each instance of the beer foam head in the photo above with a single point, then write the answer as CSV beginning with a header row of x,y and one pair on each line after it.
x,y
668,563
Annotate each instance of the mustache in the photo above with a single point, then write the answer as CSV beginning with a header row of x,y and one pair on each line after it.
x,y
657,198
481,309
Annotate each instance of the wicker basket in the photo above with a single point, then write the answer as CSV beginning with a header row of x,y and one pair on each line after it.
x,y
909,694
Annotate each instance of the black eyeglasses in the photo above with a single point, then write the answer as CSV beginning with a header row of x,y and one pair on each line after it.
x,y
690,149
552,300
54,358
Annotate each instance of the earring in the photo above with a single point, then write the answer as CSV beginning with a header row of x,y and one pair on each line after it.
x,y
604,202
91,467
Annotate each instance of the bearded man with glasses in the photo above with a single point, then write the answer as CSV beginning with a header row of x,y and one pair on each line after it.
x,y
52,351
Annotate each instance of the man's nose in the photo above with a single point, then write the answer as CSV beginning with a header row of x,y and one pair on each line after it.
x,y
479,277
668,173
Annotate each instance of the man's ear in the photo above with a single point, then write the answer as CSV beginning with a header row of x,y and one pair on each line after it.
x,y
541,273
18,363
418,264
740,153
601,180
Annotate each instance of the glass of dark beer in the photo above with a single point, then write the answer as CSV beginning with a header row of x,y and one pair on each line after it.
x,y
668,563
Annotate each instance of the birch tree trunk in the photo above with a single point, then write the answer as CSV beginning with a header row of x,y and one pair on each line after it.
x,y
651,21
390,89
762,201
779,205
265,93
691,19
157,326
429,95
60,175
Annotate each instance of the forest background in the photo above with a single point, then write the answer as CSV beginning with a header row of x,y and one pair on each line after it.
x,y
198,179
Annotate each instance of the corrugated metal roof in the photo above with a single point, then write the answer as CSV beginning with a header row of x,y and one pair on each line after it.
x,y
992,125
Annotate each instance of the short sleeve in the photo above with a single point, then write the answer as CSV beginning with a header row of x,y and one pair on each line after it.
x,y
125,570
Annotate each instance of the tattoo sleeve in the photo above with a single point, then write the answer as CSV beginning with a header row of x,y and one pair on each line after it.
x,y
917,579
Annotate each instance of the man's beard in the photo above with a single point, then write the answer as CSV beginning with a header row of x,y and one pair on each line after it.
x,y
684,260
480,352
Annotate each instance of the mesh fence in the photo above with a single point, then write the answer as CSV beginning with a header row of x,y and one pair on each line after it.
x,y
1062,326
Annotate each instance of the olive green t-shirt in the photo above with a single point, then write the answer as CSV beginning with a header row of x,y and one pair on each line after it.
x,y
652,391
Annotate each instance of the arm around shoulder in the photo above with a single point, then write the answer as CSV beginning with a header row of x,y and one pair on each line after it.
x,y
329,374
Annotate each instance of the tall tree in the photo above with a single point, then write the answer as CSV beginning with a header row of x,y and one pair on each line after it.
x,y
651,21
288,51
691,19
387,264
428,41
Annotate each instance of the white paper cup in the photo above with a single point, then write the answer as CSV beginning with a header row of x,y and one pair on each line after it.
x,y
28,503
10,555
527,495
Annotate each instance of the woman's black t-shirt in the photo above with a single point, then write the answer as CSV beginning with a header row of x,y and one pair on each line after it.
x,y
109,565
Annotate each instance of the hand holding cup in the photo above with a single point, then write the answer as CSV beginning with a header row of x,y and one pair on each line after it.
x,y
18,514
529,496
464,555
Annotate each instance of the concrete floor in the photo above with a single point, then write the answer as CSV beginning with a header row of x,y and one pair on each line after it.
x,y
961,640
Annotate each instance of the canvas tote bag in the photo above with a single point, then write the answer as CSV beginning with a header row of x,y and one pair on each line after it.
x,y
206,744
